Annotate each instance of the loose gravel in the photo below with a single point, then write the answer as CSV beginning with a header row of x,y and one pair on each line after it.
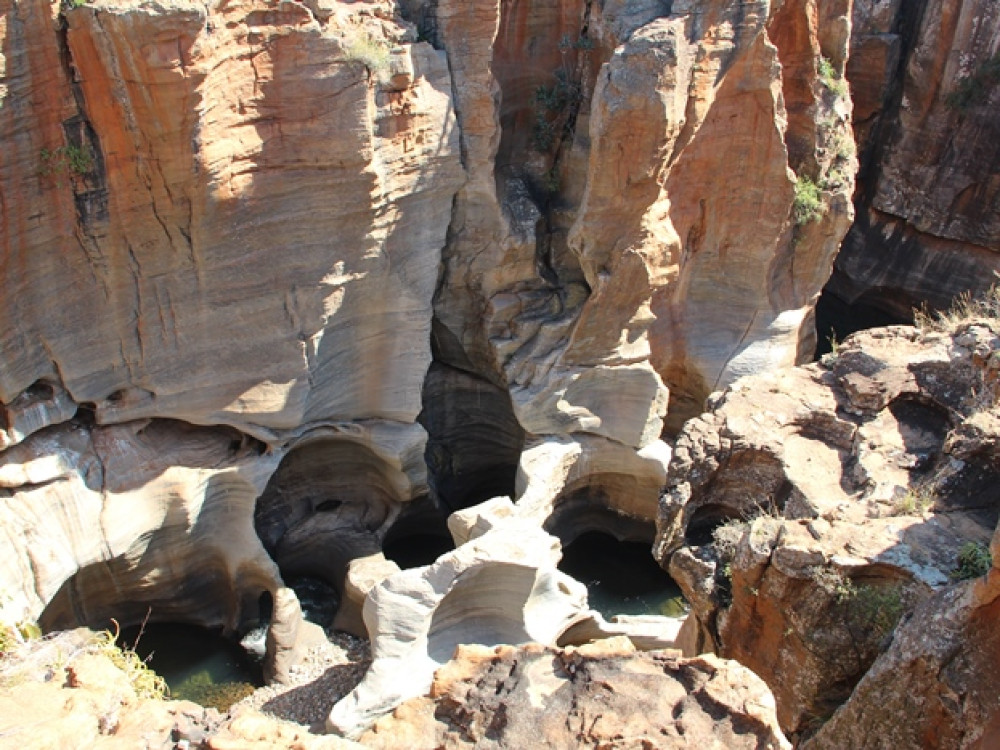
x,y
327,673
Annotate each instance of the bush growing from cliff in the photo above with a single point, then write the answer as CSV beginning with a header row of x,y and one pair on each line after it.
x,y
808,203
372,52
71,158
828,75
974,561
975,89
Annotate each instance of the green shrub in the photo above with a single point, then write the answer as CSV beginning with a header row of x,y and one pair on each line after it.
x,y
828,75
974,560
808,203
71,158
975,89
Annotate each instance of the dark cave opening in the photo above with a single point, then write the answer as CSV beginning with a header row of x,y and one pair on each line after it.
x,y
836,318
419,536
330,501
705,520
622,577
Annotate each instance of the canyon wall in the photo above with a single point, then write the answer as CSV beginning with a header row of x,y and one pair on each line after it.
x,y
924,78
262,222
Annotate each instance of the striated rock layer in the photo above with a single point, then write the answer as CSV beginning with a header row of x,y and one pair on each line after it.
x,y
233,208
924,78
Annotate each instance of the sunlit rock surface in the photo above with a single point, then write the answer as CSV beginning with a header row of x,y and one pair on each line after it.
x,y
540,697
501,587
813,507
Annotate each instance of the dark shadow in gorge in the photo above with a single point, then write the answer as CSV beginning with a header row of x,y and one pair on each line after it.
x,y
419,536
474,440
330,500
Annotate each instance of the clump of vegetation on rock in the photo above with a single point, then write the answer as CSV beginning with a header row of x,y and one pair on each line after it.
x,y
71,158
916,501
145,682
966,309
371,52
974,560
808,204
975,89
830,78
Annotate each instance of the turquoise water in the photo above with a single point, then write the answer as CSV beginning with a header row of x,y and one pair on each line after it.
x,y
192,659
622,578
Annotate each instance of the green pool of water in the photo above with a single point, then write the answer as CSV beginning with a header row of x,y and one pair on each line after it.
x,y
622,578
197,664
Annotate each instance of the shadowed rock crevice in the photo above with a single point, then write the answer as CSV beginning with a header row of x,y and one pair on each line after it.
x,y
330,500
474,440
419,535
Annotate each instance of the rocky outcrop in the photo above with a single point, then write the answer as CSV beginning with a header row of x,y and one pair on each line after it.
x,y
501,587
594,696
937,674
924,80
813,507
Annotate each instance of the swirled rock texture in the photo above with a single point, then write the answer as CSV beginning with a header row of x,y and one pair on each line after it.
x,y
925,78
109,522
237,206
813,507
605,695
501,587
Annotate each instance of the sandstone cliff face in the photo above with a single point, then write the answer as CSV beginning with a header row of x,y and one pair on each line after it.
x,y
625,236
813,507
226,206
924,80
271,216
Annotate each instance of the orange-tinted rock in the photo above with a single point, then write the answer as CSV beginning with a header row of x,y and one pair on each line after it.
x,y
604,695
258,207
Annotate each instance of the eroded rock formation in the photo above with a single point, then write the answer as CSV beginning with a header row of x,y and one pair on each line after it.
x,y
500,587
812,507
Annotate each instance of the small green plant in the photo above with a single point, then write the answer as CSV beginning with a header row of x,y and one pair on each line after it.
x,y
371,52
71,158
974,560
975,89
830,78
808,203
916,501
